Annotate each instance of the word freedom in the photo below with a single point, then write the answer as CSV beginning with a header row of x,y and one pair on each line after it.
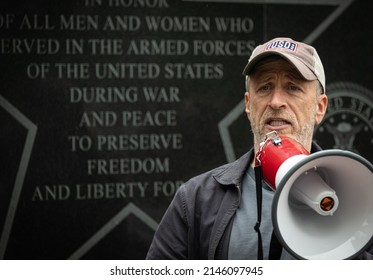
x,y
125,166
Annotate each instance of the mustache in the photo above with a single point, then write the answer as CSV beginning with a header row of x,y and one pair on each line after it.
x,y
276,115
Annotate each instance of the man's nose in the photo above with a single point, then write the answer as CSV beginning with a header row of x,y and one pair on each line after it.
x,y
277,99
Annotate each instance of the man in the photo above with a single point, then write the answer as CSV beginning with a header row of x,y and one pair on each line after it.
x,y
213,215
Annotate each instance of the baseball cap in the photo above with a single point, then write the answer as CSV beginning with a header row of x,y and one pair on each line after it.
x,y
304,58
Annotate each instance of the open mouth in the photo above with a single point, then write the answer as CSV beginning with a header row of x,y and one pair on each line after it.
x,y
277,123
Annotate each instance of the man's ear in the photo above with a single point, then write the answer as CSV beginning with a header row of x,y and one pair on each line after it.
x,y
322,104
247,103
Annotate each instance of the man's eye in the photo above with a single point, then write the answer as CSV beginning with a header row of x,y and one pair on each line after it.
x,y
265,88
293,88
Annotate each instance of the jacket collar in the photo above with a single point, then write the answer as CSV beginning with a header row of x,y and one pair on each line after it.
x,y
232,173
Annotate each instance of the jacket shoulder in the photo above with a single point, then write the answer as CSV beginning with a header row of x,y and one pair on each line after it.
x,y
226,174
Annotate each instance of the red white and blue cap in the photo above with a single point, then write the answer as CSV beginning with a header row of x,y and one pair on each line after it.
x,y
304,58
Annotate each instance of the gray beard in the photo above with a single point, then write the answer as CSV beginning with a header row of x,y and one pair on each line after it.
x,y
303,136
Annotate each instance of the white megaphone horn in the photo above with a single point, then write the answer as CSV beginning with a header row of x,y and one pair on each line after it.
x,y
323,202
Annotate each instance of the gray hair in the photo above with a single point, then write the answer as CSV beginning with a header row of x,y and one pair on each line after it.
x,y
319,89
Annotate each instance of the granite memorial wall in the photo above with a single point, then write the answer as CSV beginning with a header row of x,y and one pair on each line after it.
x,y
108,106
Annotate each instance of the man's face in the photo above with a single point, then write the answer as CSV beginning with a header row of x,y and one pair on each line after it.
x,y
280,99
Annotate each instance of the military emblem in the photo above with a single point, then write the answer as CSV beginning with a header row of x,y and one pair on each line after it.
x,y
348,123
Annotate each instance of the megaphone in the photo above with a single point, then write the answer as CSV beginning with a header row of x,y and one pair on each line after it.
x,y
323,203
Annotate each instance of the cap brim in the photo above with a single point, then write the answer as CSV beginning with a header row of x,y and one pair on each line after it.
x,y
300,66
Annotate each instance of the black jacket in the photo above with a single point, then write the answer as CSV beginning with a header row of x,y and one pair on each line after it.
x,y
198,222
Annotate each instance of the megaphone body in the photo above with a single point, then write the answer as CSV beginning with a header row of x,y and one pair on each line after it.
x,y
323,202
